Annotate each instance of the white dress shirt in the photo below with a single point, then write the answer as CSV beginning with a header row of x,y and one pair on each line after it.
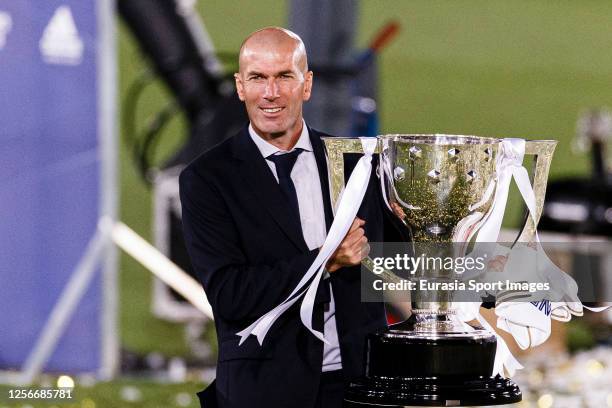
x,y
305,177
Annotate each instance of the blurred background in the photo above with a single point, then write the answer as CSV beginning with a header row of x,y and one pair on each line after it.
x,y
529,69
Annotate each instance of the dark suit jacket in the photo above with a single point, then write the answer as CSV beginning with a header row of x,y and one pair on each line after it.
x,y
247,248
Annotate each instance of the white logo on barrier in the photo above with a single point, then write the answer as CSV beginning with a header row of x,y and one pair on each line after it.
x,y
60,42
6,23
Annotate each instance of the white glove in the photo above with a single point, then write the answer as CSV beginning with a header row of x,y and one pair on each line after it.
x,y
467,311
527,322
564,289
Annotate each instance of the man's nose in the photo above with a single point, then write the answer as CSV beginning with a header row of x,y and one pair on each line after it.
x,y
271,91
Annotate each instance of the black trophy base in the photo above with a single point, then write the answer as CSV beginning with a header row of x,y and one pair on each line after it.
x,y
395,393
406,366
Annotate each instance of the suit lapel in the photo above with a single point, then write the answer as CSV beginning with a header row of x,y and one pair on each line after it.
x,y
319,152
260,180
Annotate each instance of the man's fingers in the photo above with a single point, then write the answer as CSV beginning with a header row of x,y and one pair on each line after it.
x,y
357,234
354,246
365,250
354,233
358,248
357,222
352,238
354,226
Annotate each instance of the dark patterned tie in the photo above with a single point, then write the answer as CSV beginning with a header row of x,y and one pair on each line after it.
x,y
284,164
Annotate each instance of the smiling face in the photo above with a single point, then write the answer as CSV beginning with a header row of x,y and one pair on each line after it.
x,y
273,82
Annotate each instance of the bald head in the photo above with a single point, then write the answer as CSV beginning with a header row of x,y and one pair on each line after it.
x,y
273,82
270,40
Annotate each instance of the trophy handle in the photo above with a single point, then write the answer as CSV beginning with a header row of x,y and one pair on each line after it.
x,y
542,152
335,148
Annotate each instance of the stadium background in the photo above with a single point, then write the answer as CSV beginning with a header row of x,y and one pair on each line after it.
x,y
490,68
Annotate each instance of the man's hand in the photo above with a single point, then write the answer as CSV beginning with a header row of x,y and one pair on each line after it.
x,y
353,248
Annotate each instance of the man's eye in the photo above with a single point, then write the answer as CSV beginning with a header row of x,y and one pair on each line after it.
x,y
255,77
286,76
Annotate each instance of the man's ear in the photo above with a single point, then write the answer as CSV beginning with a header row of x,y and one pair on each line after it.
x,y
239,86
307,85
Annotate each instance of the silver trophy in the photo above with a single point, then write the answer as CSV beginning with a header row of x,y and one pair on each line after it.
x,y
439,190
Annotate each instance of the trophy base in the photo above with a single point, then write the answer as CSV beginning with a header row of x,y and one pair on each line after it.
x,y
408,367
399,393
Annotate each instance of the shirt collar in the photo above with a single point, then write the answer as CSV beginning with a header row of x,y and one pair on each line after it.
x,y
268,149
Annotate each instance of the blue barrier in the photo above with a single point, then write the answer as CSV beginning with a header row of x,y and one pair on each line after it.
x,y
49,176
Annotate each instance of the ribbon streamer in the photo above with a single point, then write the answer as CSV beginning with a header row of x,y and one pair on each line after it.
x,y
503,355
527,322
509,164
348,205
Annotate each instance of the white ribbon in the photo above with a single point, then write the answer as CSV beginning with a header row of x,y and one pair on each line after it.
x,y
468,311
503,356
509,163
346,211
528,322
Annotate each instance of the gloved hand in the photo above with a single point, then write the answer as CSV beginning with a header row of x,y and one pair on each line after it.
x,y
528,323
521,313
564,290
467,311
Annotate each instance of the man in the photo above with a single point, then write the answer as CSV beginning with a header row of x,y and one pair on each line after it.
x,y
256,210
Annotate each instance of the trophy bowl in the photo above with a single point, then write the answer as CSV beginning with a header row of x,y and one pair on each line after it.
x,y
439,190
